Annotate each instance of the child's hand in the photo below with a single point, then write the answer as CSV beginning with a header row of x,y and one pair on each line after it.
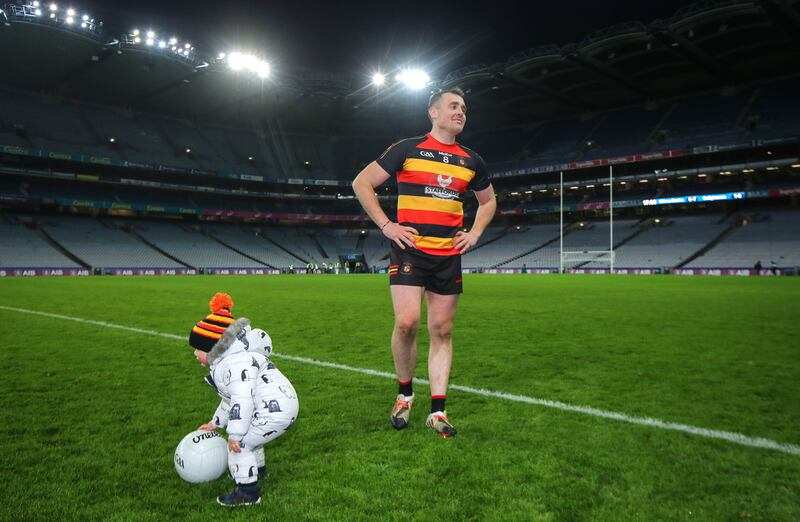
x,y
234,446
208,427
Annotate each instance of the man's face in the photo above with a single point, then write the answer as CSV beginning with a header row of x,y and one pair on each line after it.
x,y
201,356
449,113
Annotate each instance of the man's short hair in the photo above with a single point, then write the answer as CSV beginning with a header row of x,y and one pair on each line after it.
x,y
435,97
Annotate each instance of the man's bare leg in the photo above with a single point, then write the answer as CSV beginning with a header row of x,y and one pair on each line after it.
x,y
441,314
407,302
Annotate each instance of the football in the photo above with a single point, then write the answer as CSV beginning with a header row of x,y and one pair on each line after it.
x,y
201,456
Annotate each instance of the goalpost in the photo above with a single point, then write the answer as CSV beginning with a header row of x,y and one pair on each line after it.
x,y
576,257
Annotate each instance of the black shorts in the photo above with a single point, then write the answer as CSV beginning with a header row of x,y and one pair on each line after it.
x,y
437,274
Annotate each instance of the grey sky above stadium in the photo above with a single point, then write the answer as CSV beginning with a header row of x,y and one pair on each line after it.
x,y
357,36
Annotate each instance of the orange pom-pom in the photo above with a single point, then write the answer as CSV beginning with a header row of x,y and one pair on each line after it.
x,y
220,301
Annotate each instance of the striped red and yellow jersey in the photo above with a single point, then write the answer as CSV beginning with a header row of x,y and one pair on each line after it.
x,y
432,178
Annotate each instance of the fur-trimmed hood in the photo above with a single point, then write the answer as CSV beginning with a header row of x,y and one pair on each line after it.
x,y
229,339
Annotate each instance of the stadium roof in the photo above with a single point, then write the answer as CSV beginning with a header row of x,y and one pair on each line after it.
x,y
701,47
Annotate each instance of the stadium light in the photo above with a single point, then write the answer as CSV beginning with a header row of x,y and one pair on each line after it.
x,y
112,140
162,44
36,3
151,34
173,41
188,150
378,79
135,32
38,12
414,79
149,41
54,7
85,18
137,39
70,20
52,15
70,12
238,62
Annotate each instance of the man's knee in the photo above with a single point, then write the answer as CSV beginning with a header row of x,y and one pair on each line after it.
x,y
406,325
441,330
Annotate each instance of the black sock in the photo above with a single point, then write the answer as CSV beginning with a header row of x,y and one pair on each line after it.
x,y
437,403
404,388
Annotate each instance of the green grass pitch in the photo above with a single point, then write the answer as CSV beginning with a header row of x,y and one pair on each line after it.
x,y
92,414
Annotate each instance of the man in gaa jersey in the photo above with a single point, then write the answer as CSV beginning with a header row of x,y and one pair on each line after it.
x,y
433,174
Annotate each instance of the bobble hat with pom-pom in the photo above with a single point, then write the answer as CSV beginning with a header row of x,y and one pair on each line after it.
x,y
206,333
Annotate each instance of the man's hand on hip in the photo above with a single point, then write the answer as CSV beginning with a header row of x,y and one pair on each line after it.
x,y
465,240
400,234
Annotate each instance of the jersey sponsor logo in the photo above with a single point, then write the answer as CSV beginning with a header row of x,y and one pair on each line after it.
x,y
273,406
441,193
236,412
427,154
444,181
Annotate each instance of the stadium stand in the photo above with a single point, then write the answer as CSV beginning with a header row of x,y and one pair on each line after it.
x,y
102,246
270,167
667,244
376,249
510,247
767,237
252,244
22,247
189,246
581,236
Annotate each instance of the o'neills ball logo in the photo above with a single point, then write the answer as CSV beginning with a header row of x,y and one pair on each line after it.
x,y
406,268
444,181
206,435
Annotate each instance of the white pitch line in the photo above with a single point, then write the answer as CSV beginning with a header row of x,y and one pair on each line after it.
x,y
736,438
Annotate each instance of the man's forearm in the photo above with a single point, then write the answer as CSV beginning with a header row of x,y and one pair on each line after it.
x,y
484,216
369,202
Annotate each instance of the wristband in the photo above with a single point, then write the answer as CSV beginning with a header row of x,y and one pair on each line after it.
x,y
384,225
